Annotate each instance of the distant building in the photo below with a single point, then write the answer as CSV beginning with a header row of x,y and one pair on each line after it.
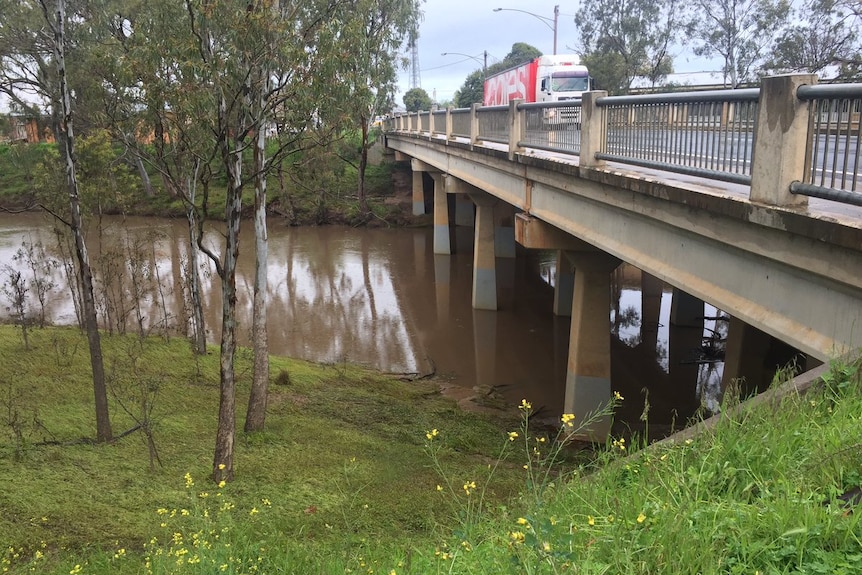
x,y
27,129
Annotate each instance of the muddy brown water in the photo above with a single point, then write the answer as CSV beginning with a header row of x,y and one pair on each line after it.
x,y
381,298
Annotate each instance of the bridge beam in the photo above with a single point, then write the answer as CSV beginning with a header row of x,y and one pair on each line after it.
x,y
533,233
588,374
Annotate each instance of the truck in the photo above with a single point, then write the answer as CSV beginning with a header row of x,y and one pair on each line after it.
x,y
543,79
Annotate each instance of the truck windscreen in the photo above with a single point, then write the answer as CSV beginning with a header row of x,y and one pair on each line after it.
x,y
569,82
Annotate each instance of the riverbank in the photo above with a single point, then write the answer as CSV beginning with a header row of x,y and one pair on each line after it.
x,y
347,478
326,195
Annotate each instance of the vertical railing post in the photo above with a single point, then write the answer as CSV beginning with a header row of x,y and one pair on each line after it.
x,y
431,125
474,124
517,126
593,129
780,140
448,123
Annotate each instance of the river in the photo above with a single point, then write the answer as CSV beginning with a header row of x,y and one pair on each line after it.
x,y
381,298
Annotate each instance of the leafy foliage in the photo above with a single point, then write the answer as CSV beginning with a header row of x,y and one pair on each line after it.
x,y
472,90
741,32
417,99
624,39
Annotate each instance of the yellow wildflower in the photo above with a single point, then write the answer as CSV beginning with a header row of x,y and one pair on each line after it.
x,y
469,486
567,419
618,396
525,405
641,518
522,521
517,536
439,488
431,434
513,435
189,481
591,520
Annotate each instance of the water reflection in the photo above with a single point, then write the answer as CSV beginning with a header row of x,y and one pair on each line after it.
x,y
382,298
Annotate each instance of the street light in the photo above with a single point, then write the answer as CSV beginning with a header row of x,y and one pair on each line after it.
x,y
483,62
545,20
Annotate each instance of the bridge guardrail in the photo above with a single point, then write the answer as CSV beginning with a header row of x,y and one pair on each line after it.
x,y
832,170
708,134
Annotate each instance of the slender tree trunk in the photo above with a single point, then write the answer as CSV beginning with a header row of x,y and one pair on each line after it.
x,y
145,177
223,459
363,163
256,414
103,420
199,337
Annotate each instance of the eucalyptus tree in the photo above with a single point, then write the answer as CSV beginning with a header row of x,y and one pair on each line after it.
x,y
623,39
55,20
740,32
374,33
473,89
260,62
822,37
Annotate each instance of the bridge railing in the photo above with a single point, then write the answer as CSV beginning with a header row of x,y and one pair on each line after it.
x,y
708,134
811,147
832,169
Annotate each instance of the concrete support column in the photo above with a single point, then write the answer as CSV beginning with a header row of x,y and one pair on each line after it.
x,y
744,354
686,310
465,212
485,347
685,337
651,292
442,286
564,286
442,241
780,141
588,375
484,256
504,230
592,129
517,127
418,194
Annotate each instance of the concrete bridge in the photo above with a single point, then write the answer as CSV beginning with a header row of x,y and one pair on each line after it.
x,y
773,238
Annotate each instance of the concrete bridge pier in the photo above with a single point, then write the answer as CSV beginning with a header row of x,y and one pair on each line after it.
x,y
484,253
418,168
651,292
685,338
588,374
504,230
564,286
442,286
442,240
465,213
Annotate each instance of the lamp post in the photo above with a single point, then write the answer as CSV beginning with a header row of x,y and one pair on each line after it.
x,y
484,61
549,22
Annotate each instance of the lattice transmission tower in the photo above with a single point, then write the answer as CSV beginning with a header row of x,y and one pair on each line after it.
x,y
415,80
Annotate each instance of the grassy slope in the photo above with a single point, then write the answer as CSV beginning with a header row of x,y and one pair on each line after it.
x,y
340,482
342,459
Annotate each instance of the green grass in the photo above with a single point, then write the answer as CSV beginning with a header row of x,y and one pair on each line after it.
x,y
344,480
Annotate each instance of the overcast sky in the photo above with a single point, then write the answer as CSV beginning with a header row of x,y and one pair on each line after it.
x,y
471,27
